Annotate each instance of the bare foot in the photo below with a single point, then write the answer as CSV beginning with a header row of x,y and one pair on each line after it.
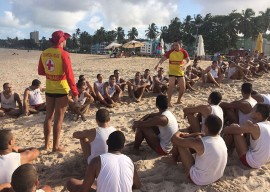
x,y
59,149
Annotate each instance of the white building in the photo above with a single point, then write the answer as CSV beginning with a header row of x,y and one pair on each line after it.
x,y
35,36
147,48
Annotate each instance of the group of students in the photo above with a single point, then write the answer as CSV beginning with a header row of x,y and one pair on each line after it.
x,y
215,129
32,100
247,68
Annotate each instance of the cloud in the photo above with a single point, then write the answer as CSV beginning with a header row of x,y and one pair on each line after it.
x,y
95,22
224,7
9,20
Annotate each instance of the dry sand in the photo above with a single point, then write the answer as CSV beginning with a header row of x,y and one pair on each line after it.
x,y
55,169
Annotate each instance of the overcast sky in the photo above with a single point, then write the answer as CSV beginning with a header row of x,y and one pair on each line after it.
x,y
20,17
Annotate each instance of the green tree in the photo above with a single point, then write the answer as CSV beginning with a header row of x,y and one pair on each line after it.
x,y
152,32
132,33
85,41
120,34
100,35
111,36
174,30
245,24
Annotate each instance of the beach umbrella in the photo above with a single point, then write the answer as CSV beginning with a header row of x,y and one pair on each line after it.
x,y
200,48
259,43
133,44
113,45
162,45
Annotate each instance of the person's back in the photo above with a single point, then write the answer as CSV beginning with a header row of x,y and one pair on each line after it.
x,y
116,173
209,166
244,117
8,164
215,110
98,145
166,132
259,151
266,98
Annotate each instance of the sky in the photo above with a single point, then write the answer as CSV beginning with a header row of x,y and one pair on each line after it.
x,y
20,17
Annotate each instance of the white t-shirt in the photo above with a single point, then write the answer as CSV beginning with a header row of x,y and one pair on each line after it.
x,y
8,164
215,110
99,146
266,98
209,166
258,153
166,132
116,173
35,97
99,86
244,117
9,103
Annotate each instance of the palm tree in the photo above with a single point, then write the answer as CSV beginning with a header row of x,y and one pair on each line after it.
x,y
164,34
110,36
152,32
132,33
100,35
85,41
245,25
266,19
174,29
120,34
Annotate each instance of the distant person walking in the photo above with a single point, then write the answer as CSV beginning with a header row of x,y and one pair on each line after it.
x,y
176,69
55,64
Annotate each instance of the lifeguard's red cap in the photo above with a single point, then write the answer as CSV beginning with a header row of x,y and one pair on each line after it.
x,y
58,37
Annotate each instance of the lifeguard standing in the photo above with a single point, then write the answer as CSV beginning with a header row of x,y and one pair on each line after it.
x,y
55,64
177,66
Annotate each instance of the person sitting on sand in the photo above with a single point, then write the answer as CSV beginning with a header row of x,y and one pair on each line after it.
x,y
261,98
213,74
113,171
32,99
136,87
93,141
222,65
84,100
98,88
190,78
111,92
196,69
147,79
160,82
88,85
196,115
11,156
239,111
119,80
236,72
25,178
8,100
156,128
256,153
211,152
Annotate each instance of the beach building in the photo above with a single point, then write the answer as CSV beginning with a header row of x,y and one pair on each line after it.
x,y
35,36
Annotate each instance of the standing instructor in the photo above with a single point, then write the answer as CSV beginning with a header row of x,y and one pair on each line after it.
x,y
55,64
176,69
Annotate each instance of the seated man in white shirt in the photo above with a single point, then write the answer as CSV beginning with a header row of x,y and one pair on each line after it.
x,y
112,92
113,171
84,101
12,156
8,100
213,74
261,98
211,153
93,141
32,99
254,153
196,115
25,178
156,128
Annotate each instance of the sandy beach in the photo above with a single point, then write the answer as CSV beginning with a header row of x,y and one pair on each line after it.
x,y
156,175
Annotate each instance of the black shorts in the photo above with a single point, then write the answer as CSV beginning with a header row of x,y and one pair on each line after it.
x,y
55,95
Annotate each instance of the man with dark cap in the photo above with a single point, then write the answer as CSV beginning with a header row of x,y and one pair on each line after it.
x,y
55,64
25,178
113,171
